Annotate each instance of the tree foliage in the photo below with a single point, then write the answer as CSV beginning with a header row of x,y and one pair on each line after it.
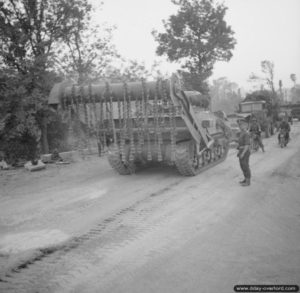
x,y
267,96
225,95
88,53
196,37
295,90
293,78
30,28
133,70
267,68
29,32
87,49
127,70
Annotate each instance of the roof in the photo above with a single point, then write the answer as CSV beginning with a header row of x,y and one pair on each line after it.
x,y
253,102
238,115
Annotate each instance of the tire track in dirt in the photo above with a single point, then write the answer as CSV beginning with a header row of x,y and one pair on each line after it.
x,y
110,237
65,204
28,274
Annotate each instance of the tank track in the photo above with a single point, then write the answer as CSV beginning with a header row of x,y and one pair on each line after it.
x,y
188,165
115,161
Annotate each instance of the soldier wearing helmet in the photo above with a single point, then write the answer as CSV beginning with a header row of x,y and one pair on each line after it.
x,y
244,152
255,131
284,125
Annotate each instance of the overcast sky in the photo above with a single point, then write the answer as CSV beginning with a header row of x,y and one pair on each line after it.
x,y
264,29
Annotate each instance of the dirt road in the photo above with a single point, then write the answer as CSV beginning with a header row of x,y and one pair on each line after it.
x,y
82,228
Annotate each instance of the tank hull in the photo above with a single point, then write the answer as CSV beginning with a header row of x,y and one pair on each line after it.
x,y
149,122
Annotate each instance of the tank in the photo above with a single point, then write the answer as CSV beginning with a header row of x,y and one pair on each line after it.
x,y
144,122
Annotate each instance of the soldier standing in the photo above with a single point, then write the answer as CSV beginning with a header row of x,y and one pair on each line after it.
x,y
244,152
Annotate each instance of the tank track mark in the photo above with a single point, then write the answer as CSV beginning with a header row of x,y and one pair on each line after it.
x,y
189,165
115,161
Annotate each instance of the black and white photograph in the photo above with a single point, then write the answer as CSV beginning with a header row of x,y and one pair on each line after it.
x,y
149,146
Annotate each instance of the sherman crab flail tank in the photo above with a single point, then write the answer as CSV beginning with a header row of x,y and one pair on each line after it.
x,y
149,122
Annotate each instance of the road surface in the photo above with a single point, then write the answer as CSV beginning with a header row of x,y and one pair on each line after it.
x,y
83,228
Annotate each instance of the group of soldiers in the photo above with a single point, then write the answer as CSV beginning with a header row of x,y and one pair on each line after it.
x,y
244,142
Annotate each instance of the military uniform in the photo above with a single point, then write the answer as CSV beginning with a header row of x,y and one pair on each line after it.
x,y
256,130
286,127
244,140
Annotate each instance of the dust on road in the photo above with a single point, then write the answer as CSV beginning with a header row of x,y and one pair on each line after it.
x,y
154,231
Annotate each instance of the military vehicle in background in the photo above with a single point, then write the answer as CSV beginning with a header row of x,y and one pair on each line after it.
x,y
258,109
295,111
148,121
292,110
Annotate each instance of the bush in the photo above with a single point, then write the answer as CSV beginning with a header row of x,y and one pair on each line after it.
x,y
57,135
19,138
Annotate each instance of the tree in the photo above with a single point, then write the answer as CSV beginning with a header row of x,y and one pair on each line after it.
x,y
267,68
87,50
225,95
196,37
133,70
280,91
295,90
156,71
126,71
268,97
293,78
18,128
29,31
30,28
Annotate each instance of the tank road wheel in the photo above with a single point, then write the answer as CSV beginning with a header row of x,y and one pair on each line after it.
x,y
115,160
207,156
189,163
186,159
200,161
218,151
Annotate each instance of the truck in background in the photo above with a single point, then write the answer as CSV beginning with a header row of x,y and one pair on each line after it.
x,y
258,109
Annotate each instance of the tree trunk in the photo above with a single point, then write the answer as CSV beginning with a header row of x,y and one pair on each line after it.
x,y
45,145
